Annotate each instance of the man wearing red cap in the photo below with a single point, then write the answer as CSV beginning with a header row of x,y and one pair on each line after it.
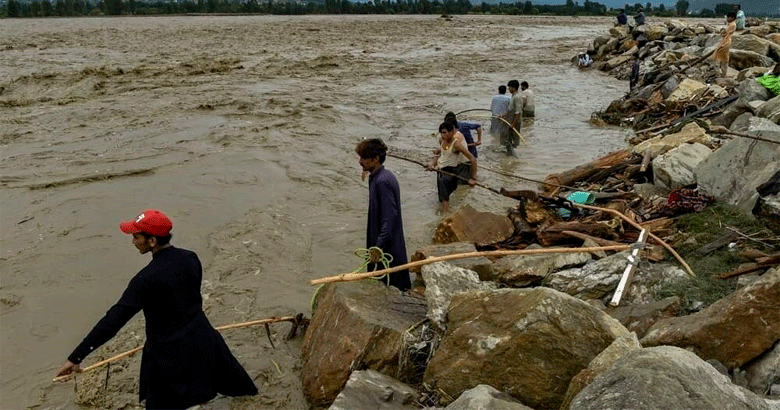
x,y
185,361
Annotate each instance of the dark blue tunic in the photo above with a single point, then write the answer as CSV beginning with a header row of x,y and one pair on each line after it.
x,y
185,361
385,226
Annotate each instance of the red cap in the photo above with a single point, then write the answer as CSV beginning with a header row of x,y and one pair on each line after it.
x,y
151,221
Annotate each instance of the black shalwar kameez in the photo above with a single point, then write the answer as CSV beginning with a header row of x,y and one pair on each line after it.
x,y
385,226
185,361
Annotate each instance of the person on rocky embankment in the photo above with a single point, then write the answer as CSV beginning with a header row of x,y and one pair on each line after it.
x,y
721,54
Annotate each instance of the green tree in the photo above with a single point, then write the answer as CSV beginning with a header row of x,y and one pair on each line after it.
x,y
682,7
721,9
706,13
13,8
661,8
46,8
648,7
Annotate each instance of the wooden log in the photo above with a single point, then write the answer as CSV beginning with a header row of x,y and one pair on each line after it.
x,y
585,171
597,240
645,161
552,234
724,240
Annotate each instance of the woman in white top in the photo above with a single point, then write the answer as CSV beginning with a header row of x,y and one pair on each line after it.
x,y
452,157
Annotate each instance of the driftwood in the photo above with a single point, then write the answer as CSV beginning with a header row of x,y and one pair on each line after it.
x,y
554,233
597,240
761,264
585,171
352,276
718,243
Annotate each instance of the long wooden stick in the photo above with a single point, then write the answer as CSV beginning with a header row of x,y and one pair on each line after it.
x,y
352,276
444,172
723,130
137,349
638,226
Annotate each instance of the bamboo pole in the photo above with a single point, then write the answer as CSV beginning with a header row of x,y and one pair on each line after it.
x,y
352,276
133,351
638,226
444,172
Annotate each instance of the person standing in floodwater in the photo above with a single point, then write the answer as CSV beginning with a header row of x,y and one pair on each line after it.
x,y
721,55
498,106
185,361
513,115
385,228
454,158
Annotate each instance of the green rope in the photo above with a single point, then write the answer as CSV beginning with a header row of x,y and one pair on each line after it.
x,y
365,255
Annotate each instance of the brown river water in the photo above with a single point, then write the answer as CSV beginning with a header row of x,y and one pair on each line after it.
x,y
242,129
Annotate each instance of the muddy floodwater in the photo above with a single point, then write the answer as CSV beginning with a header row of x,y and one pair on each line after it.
x,y
242,129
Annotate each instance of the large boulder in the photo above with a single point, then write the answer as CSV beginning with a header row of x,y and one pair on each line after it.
x,y
656,32
484,397
357,325
732,173
618,31
770,110
688,88
733,330
662,378
675,169
614,62
751,90
479,264
731,113
525,270
690,133
750,42
767,210
442,282
764,371
601,363
369,389
638,318
468,225
599,279
528,343
741,59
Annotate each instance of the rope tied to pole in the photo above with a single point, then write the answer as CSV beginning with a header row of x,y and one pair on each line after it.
x,y
365,254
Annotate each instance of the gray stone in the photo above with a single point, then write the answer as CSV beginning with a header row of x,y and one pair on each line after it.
x,y
770,110
369,389
524,270
731,113
741,59
718,366
484,397
675,169
669,86
751,90
732,173
741,123
691,132
601,363
480,264
750,42
775,390
528,343
442,282
652,193
767,210
755,105
638,318
764,371
598,279
662,378
619,31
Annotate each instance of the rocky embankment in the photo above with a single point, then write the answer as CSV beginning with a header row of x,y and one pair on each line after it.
x,y
588,328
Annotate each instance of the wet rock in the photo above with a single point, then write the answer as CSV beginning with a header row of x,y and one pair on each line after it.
x,y
468,225
598,279
600,41
525,270
479,264
369,389
662,378
656,32
638,318
484,397
732,173
619,31
770,110
733,330
675,169
528,343
601,363
690,133
751,90
764,371
614,62
442,282
750,42
687,89
375,316
741,59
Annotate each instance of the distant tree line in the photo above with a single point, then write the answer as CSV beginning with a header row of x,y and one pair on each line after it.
x,y
46,8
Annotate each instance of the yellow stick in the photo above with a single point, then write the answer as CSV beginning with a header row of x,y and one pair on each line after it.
x,y
135,350
352,276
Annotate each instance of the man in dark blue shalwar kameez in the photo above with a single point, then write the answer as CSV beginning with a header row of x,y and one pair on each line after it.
x,y
385,226
185,361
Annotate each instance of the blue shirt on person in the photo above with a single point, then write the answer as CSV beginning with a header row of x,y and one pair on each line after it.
x,y
465,128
